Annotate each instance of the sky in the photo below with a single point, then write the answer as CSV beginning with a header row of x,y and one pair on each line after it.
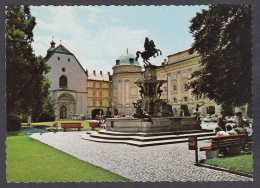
x,y
99,35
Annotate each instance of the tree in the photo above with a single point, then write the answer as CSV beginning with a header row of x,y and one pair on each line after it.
x,y
48,111
26,83
222,36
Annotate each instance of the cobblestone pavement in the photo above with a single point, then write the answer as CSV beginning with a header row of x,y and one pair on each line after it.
x,y
172,162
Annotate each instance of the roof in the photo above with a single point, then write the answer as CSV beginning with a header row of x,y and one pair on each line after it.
x,y
124,59
61,49
180,52
98,77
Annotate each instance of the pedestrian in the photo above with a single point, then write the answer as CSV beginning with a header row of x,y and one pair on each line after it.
x,y
222,120
29,121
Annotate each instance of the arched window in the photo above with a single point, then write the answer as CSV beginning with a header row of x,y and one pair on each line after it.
x,y
63,81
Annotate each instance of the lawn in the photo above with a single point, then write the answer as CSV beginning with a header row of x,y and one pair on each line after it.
x,y
242,163
29,160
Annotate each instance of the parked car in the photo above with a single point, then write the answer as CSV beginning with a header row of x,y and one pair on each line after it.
x,y
231,119
209,123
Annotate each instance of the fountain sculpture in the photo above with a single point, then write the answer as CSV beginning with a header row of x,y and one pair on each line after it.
x,y
153,114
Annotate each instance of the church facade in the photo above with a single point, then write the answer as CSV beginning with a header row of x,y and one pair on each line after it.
x,y
68,83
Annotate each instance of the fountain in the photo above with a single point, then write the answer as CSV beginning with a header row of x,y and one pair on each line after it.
x,y
152,114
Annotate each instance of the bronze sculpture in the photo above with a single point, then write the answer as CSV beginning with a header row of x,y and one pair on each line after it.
x,y
149,51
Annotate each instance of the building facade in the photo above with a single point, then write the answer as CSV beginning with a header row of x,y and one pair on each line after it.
x,y
177,71
125,73
99,94
68,83
78,92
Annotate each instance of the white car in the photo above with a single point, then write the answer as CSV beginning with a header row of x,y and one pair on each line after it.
x,y
208,124
231,119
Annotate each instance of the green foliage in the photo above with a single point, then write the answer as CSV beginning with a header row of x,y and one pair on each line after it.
x,y
29,160
242,163
26,83
223,38
47,112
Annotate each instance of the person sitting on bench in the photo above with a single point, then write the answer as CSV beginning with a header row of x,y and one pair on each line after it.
x,y
230,130
239,130
219,132
248,130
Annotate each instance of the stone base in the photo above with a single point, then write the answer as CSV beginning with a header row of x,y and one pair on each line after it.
x,y
135,125
211,154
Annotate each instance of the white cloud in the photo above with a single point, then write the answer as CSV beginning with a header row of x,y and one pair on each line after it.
x,y
96,49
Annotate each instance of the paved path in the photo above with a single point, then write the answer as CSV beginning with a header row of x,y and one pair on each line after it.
x,y
173,162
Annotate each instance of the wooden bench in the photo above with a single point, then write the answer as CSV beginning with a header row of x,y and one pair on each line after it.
x,y
232,142
71,125
94,125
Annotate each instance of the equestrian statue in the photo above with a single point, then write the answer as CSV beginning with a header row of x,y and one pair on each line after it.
x,y
149,51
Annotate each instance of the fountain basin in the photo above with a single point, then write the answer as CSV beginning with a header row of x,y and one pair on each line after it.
x,y
162,124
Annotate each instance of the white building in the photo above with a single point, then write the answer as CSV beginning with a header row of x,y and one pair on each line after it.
x,y
68,82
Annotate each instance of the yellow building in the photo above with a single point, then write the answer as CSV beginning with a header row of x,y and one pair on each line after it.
x,y
125,91
177,72
99,94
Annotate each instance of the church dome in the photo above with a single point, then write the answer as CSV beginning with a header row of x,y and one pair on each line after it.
x,y
126,60
50,49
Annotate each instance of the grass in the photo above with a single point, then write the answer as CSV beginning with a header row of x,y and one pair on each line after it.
x,y
29,160
83,123
242,163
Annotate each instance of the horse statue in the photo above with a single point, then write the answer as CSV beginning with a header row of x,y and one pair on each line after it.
x,y
149,51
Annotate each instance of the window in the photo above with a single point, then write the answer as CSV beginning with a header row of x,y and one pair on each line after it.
x,y
63,81
110,94
100,85
94,93
100,103
94,103
185,98
174,88
94,84
58,58
186,87
174,100
63,69
100,93
68,59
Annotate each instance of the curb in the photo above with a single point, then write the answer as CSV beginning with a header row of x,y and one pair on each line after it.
x,y
225,170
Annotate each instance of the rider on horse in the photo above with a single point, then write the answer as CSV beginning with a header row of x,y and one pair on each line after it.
x,y
150,51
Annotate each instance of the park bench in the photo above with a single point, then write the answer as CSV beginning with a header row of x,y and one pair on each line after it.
x,y
232,142
71,125
94,125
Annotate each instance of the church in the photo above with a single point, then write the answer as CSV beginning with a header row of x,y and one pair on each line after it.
x,y
68,83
